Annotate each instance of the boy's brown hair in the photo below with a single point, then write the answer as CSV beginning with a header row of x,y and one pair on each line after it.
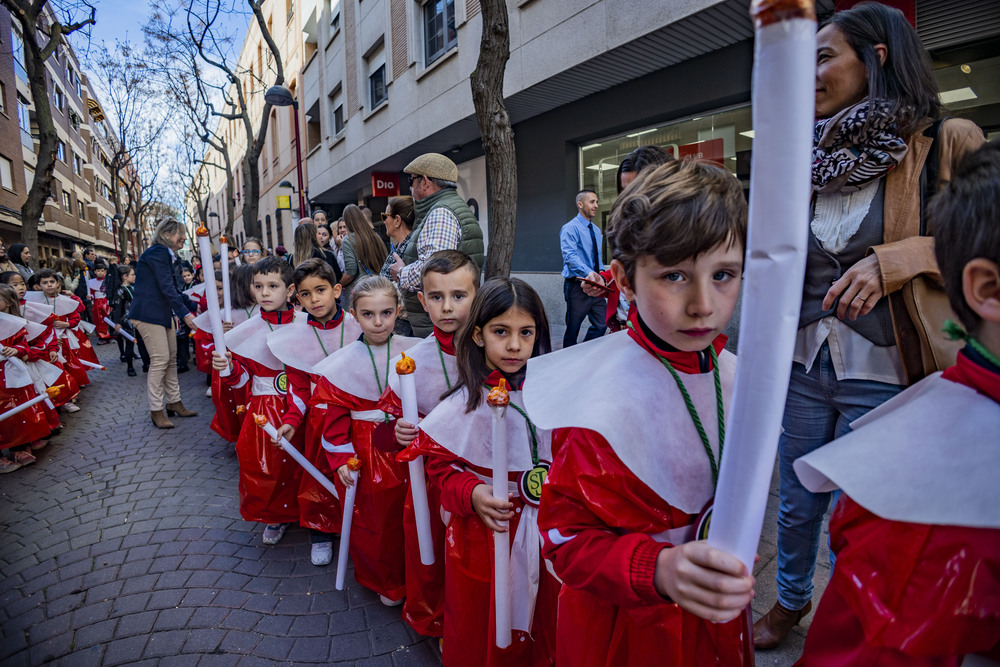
x,y
314,267
273,265
449,261
677,211
965,220
47,273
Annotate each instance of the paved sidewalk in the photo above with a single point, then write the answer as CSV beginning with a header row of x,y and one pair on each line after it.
x,y
124,544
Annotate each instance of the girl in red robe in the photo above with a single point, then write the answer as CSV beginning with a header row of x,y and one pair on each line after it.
x,y
506,327
99,298
352,380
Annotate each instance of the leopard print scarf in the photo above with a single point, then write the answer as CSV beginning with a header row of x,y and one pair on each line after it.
x,y
855,147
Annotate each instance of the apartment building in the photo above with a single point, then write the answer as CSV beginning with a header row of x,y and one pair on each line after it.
x,y
80,210
255,68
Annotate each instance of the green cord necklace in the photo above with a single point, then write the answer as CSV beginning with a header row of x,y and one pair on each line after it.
x,y
694,412
955,331
444,368
375,367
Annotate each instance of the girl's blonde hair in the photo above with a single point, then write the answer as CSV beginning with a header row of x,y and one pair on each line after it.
x,y
8,300
305,242
372,285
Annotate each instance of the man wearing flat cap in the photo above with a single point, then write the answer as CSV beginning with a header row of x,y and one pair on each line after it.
x,y
442,221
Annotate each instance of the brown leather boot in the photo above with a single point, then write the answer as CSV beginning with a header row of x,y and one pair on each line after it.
x,y
179,410
160,419
772,628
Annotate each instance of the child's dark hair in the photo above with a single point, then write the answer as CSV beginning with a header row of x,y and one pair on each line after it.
x,y
314,267
449,261
125,269
240,291
965,220
496,297
675,212
6,276
100,264
8,299
639,159
274,265
32,282
47,273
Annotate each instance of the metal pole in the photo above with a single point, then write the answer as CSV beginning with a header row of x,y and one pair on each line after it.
x,y
298,160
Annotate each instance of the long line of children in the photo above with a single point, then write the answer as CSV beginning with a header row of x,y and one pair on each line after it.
x,y
614,449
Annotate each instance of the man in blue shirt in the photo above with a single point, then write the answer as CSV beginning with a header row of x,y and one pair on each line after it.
x,y
580,240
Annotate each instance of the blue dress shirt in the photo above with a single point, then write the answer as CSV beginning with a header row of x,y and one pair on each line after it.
x,y
578,247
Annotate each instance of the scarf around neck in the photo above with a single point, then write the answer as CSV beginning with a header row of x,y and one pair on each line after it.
x,y
857,146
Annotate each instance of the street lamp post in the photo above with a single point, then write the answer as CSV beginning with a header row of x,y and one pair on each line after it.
x,y
279,96
115,222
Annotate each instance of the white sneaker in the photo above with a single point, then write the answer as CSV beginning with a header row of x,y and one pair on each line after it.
x,y
71,408
208,392
322,553
274,532
390,603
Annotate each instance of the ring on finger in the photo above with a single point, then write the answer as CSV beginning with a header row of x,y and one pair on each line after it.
x,y
861,297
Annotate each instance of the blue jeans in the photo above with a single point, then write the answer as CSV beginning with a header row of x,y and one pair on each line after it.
x,y
819,408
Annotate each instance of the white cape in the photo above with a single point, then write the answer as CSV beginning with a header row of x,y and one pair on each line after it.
x,y
302,346
61,305
615,387
249,340
350,369
928,455
429,378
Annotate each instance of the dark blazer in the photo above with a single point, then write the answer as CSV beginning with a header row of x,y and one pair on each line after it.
x,y
157,293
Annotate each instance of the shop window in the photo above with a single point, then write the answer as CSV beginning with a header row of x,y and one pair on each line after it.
x,y
439,29
725,138
6,174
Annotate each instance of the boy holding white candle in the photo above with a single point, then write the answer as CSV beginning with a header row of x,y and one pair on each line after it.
x,y
635,465
269,478
449,280
917,525
301,346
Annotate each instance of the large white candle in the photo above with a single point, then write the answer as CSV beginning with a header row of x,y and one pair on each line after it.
x,y
784,78
90,364
354,466
227,304
211,291
261,421
405,369
498,400
121,333
51,392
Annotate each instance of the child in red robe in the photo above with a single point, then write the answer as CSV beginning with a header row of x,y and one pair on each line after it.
x,y
99,298
506,327
352,381
64,317
449,279
300,347
917,531
19,432
269,477
638,418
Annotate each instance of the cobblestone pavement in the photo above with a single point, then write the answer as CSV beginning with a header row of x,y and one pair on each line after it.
x,y
123,544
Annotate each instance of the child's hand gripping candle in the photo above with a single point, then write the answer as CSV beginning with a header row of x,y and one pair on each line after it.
x,y
405,369
227,304
261,421
498,399
354,468
51,392
123,334
90,364
214,314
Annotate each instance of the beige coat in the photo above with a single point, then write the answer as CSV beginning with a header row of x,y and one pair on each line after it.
x,y
910,274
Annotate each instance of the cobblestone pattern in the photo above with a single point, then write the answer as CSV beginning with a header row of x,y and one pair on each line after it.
x,y
124,544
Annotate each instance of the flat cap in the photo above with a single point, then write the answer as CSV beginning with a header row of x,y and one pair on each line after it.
x,y
433,165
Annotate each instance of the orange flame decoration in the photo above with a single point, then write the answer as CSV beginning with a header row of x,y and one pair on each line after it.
x,y
260,420
406,365
54,390
766,12
202,230
222,239
241,410
353,464
499,397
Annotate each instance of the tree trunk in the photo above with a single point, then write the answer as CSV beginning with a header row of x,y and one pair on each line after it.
x,y
498,136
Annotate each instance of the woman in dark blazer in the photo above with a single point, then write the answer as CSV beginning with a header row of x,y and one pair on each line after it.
x,y
157,300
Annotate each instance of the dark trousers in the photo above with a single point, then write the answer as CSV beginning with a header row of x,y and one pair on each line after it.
x,y
183,349
127,349
579,306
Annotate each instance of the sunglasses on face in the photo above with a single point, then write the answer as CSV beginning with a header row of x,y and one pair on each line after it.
x,y
414,178
251,252
386,216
